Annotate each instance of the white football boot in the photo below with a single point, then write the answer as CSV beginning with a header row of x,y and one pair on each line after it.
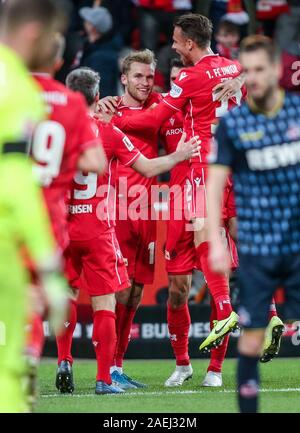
x,y
180,374
212,379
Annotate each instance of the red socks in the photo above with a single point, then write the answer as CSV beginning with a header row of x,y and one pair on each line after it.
x,y
125,317
64,341
179,322
36,338
272,309
104,340
217,355
217,283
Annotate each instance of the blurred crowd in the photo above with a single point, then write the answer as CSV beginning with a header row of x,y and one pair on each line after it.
x,y
101,32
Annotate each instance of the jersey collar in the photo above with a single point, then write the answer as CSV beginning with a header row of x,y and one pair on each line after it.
x,y
275,110
207,55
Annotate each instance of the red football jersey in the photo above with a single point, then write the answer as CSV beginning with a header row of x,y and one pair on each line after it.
x,y
57,145
145,140
192,93
92,201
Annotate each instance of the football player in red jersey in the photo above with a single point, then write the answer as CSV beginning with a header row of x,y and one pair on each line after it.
x,y
198,93
179,251
95,261
62,143
181,258
137,236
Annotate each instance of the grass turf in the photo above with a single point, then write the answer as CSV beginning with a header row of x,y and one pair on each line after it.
x,y
280,383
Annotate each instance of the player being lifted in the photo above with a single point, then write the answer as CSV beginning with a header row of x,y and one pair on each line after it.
x,y
201,107
95,260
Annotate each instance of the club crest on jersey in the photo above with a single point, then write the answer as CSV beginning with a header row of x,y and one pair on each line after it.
x,y
172,121
182,76
175,91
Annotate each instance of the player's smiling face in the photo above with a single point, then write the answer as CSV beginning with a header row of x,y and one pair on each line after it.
x,y
139,81
261,75
182,45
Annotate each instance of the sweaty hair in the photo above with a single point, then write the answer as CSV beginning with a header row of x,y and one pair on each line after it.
x,y
144,56
259,42
196,27
14,13
85,81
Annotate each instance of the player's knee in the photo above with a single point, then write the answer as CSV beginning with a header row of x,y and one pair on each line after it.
x,y
250,343
178,291
136,295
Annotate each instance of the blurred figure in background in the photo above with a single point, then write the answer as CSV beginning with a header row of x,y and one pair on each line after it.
x,y
287,35
100,51
228,38
156,17
27,31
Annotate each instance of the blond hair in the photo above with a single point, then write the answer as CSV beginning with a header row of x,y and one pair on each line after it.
x,y
143,56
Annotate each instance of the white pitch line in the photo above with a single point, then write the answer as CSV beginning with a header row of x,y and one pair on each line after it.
x,y
157,393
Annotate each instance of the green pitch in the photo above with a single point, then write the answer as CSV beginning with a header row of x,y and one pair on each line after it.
x,y
280,383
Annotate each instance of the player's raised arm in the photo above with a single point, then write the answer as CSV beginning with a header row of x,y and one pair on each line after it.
x,y
152,167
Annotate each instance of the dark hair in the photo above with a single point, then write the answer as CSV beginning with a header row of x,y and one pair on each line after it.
x,y
15,13
259,42
86,81
229,27
176,63
196,27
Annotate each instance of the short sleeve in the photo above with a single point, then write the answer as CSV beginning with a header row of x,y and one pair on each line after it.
x,y
125,151
222,149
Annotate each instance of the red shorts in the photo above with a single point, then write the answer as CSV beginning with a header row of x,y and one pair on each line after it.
x,y
97,265
137,241
180,249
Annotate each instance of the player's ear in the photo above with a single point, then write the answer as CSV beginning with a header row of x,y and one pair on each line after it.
x,y
97,97
124,80
190,44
